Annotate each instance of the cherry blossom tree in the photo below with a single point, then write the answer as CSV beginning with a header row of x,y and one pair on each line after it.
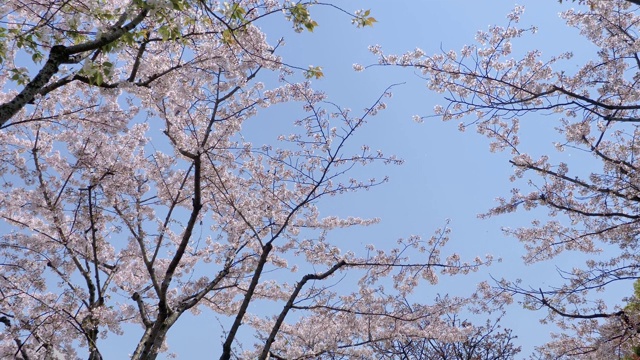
x,y
110,43
637,2
616,337
131,193
591,210
487,342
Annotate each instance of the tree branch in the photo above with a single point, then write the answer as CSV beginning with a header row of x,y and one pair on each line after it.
x,y
289,305
226,347
58,55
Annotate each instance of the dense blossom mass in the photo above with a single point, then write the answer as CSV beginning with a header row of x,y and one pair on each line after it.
x,y
592,209
130,194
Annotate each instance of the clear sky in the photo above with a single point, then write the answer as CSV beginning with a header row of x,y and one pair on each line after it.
x,y
447,174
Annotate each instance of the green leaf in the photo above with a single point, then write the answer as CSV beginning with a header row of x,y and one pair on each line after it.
x,y
179,5
238,12
313,72
20,76
107,68
97,73
227,37
97,78
36,57
235,13
301,18
310,25
107,48
169,32
363,19
128,38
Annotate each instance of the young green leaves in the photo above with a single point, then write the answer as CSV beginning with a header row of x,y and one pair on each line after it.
x,y
363,19
301,18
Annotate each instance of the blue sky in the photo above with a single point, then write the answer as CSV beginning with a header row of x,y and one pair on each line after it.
x,y
447,174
